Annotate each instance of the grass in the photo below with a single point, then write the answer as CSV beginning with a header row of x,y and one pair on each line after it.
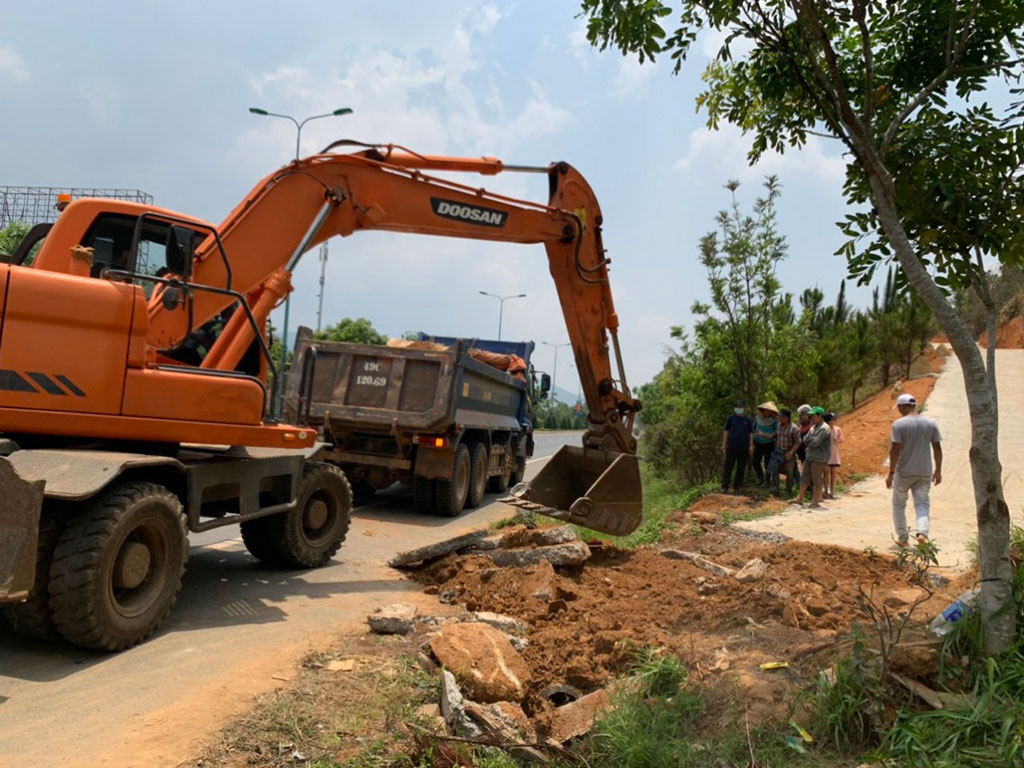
x,y
657,722
334,719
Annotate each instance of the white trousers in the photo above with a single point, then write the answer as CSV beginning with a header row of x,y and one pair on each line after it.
x,y
919,486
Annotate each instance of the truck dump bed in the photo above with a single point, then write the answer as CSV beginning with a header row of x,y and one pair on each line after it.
x,y
394,389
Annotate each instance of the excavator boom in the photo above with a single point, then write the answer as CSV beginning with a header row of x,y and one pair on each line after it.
x,y
254,251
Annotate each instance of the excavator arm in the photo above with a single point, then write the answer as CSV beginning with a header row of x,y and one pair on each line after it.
x,y
256,248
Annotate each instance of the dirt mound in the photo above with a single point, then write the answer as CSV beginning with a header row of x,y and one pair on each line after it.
x,y
866,430
722,502
586,622
1009,335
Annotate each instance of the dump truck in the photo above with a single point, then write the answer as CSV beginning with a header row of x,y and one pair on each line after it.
x,y
451,417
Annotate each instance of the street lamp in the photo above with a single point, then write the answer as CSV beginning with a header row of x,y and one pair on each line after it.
x,y
501,307
554,373
298,125
288,299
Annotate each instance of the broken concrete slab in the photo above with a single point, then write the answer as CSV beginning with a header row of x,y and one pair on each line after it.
x,y
438,549
700,561
539,537
395,619
508,624
483,661
570,553
577,718
453,708
504,718
754,570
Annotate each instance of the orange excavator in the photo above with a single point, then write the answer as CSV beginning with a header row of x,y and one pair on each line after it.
x,y
134,370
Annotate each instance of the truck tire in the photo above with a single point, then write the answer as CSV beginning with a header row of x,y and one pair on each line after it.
x,y
451,494
477,475
309,535
117,567
424,495
499,483
33,617
519,472
362,493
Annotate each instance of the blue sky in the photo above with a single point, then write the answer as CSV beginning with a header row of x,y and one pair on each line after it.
x,y
155,96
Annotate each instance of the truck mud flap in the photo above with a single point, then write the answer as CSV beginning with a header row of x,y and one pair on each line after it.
x,y
21,503
596,489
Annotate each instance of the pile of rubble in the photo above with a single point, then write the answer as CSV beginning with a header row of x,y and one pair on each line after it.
x,y
478,654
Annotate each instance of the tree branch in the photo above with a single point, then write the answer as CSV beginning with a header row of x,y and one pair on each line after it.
x,y
952,58
859,15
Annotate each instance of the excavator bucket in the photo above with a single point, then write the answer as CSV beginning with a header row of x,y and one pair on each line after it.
x,y
592,488
21,503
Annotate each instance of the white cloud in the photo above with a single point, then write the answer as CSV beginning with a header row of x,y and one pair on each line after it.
x,y
633,77
724,152
12,65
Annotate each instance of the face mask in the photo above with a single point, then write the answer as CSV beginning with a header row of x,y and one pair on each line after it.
x,y
738,411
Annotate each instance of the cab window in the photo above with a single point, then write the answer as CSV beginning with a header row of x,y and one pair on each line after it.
x,y
110,237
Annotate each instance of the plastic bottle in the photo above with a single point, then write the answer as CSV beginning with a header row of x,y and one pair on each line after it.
x,y
955,611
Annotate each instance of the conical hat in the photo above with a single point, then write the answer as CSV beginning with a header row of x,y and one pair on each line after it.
x,y
769,406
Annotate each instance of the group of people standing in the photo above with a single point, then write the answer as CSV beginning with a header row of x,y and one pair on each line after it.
x,y
806,452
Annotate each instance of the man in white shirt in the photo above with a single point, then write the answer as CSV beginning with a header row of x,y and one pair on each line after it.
x,y
915,440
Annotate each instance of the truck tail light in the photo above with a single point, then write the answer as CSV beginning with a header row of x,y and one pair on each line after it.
x,y
432,441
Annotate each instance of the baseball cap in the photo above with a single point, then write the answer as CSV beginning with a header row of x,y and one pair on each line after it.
x,y
817,411
740,402
906,399
805,408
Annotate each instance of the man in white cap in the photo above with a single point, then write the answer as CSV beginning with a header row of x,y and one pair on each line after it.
x,y
914,440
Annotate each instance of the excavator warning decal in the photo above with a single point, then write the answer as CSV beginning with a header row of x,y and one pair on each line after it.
x,y
12,381
469,214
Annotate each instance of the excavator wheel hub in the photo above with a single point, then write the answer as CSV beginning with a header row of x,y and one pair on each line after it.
x,y
316,515
132,565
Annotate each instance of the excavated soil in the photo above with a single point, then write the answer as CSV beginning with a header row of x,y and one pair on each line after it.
x,y
1009,335
586,622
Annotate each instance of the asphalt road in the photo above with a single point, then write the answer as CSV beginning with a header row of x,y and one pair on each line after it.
x,y
236,631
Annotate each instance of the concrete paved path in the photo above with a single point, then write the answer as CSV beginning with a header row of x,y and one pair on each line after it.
x,y
863,516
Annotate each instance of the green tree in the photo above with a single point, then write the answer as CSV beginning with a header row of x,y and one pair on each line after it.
x,y
356,331
891,81
10,238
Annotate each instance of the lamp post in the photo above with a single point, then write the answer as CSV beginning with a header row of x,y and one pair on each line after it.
x,y
288,299
554,371
501,306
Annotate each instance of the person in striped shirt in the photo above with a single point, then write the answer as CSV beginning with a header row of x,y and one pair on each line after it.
x,y
787,442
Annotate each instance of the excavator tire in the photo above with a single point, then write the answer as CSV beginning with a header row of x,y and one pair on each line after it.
x,y
310,534
452,494
260,537
33,617
499,483
424,495
117,567
477,475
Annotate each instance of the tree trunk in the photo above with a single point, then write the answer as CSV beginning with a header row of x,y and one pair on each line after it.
x,y
997,614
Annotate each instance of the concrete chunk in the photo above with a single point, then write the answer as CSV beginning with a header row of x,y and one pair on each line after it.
x,y
501,622
754,570
396,619
700,561
538,537
483,661
570,553
577,718
439,549
453,708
